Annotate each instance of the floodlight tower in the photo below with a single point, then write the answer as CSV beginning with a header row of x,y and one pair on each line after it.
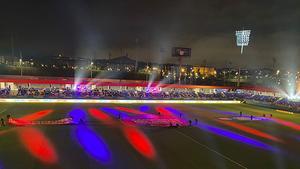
x,y
91,66
21,64
242,39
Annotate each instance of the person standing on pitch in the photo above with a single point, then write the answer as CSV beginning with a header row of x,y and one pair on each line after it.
x,y
2,122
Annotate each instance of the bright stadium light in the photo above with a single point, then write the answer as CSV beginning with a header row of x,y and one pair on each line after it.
x,y
91,67
21,64
242,39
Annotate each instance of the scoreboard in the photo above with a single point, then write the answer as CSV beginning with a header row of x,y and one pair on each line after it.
x,y
181,52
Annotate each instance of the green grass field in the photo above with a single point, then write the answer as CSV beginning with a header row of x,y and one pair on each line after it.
x,y
175,148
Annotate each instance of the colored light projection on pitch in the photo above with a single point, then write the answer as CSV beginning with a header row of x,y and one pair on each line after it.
x,y
164,112
91,142
27,120
133,111
229,134
38,145
101,116
250,130
144,108
115,113
234,136
287,123
37,115
77,115
139,141
34,140
175,112
137,113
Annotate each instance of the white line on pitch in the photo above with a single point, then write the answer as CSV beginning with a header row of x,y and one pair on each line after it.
x,y
212,150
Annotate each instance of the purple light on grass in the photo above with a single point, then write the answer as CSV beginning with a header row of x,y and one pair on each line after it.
x,y
235,136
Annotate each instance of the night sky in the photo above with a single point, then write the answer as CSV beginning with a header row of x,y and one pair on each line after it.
x,y
148,29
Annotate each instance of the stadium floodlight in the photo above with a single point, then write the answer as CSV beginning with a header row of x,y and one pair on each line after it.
x,y
242,38
91,67
21,64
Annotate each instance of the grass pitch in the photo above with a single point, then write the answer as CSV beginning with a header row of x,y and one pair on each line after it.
x,y
211,143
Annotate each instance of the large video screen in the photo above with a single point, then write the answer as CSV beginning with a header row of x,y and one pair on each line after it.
x,y
181,52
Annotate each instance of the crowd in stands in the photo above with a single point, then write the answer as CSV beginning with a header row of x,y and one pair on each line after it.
x,y
5,92
104,93
135,94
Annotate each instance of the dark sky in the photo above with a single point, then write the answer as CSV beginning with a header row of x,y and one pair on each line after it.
x,y
85,28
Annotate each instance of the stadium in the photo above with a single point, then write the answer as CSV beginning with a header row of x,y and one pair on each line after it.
x,y
76,92
47,122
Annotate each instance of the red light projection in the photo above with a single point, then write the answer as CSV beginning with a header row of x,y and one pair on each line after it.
x,y
250,130
163,111
101,116
38,145
36,115
26,119
287,124
133,111
18,122
139,141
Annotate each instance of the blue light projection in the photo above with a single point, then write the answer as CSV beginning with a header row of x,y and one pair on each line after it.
x,y
175,112
234,136
91,142
226,133
115,113
77,115
144,108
